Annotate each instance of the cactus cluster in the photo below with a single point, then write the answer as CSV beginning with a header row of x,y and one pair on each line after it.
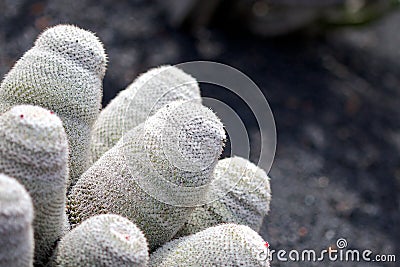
x,y
246,198
164,149
62,72
132,181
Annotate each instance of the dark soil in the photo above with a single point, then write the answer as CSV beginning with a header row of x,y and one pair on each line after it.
x,y
335,98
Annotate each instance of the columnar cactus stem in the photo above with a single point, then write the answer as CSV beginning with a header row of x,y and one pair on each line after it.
x,y
246,200
62,72
34,150
103,240
223,245
16,233
153,173
141,99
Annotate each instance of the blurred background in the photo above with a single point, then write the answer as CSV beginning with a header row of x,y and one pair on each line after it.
x,y
330,70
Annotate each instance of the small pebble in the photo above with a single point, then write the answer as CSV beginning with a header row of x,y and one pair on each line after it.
x,y
309,200
329,234
323,181
303,231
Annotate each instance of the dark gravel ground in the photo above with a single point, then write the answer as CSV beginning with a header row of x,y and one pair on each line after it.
x,y
335,98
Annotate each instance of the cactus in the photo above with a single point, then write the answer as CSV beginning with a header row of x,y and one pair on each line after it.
x,y
16,233
170,155
63,73
222,245
103,240
141,99
34,150
155,149
246,200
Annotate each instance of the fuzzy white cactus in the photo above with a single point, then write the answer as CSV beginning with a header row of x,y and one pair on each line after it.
x,y
103,240
62,72
152,176
16,233
34,150
246,198
156,163
223,245
141,99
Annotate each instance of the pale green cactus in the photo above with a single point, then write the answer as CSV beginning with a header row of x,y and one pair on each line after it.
x,y
141,99
34,150
103,240
222,245
152,174
246,198
62,72
156,162
16,233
